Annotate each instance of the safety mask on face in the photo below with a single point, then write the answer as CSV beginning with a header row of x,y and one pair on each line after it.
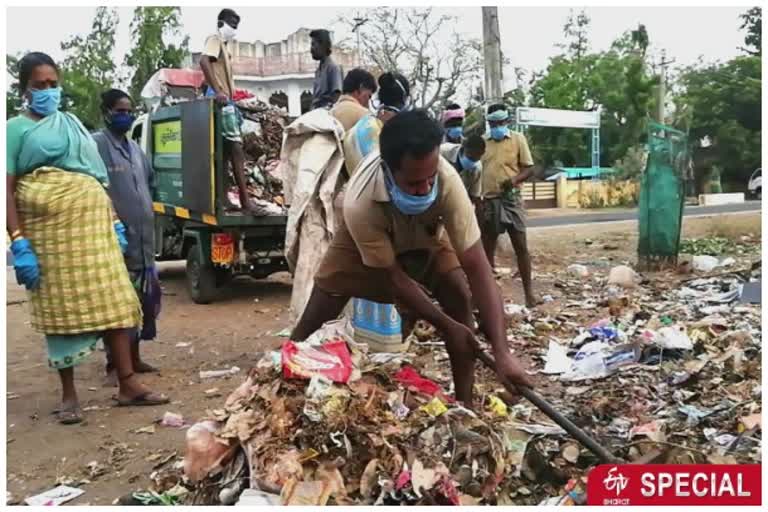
x,y
455,132
227,32
121,122
467,163
407,203
45,102
499,132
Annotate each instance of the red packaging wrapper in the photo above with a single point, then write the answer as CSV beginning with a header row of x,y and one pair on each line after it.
x,y
330,360
410,378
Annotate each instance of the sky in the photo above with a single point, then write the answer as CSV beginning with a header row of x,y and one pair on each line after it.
x,y
528,34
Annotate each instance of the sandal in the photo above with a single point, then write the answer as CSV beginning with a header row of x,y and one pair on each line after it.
x,y
146,368
144,399
69,416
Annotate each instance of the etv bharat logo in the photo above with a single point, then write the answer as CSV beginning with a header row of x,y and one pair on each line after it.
x,y
615,481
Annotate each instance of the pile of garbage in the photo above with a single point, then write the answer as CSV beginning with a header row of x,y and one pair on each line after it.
x,y
262,133
324,422
663,368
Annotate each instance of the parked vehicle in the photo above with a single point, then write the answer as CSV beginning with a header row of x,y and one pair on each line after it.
x,y
184,144
755,185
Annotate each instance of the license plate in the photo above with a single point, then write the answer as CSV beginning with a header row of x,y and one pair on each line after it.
x,y
223,254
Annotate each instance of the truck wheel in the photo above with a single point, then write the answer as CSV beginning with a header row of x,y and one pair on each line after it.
x,y
201,278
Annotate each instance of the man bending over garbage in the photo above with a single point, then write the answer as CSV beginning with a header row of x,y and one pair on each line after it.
x,y
408,224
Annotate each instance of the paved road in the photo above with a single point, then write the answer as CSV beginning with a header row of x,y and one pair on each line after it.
x,y
617,216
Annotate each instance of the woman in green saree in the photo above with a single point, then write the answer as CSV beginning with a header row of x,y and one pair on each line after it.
x,y
65,243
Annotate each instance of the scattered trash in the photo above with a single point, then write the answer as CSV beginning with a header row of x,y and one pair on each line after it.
x,y
255,497
182,345
410,378
624,277
751,293
557,360
570,452
303,361
673,338
215,374
434,408
653,431
145,430
497,405
515,309
678,359
577,270
54,497
705,263
751,421
171,419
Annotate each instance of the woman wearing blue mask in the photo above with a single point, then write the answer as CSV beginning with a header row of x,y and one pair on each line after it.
x,y
66,240
131,180
507,164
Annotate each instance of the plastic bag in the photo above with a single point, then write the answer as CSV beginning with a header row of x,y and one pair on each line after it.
x,y
331,360
204,453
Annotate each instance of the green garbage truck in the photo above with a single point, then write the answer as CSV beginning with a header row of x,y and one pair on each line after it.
x,y
185,146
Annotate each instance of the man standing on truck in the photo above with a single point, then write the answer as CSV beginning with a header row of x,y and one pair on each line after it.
x,y
131,180
326,88
507,164
408,223
216,63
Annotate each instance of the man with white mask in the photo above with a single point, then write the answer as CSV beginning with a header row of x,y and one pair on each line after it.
x,y
216,63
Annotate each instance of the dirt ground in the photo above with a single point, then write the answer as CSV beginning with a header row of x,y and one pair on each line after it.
x,y
231,332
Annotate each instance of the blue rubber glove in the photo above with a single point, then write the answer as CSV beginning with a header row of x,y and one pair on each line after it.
x,y
25,264
121,239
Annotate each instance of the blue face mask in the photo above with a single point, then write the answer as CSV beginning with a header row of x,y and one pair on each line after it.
x,y
45,102
454,132
467,163
121,122
407,203
499,132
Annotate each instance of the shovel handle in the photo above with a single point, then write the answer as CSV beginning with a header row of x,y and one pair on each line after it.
x,y
545,407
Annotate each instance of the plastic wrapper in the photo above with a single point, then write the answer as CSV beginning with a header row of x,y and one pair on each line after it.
x,y
331,360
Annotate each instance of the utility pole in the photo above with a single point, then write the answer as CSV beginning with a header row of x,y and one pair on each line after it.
x,y
492,54
662,86
359,22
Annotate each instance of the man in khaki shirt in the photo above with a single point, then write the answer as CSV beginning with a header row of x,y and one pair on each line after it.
x,y
359,85
507,164
216,63
408,223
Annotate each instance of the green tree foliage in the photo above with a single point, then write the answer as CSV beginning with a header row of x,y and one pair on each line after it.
x,y
751,21
616,81
152,30
12,100
724,105
88,67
